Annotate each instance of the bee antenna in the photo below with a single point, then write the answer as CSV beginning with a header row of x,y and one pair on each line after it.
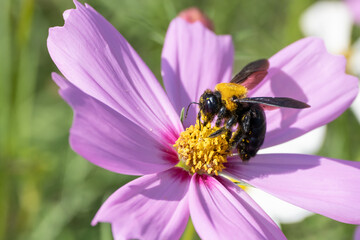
x,y
187,110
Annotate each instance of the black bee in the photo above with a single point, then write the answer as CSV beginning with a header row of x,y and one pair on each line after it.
x,y
231,105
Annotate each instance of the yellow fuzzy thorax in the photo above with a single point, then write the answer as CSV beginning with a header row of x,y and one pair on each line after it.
x,y
200,154
228,91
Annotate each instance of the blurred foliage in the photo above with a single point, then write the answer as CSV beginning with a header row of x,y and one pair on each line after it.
x,y
319,227
49,192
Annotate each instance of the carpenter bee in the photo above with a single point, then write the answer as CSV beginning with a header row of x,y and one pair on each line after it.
x,y
234,110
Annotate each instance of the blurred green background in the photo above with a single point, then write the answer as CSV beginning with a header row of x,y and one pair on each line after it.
x,y
46,190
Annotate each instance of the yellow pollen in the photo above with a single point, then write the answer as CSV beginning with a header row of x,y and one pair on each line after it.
x,y
201,154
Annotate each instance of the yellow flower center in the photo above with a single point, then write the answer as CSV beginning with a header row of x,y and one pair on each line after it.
x,y
200,154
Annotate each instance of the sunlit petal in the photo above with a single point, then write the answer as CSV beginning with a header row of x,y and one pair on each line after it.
x,y
151,207
221,210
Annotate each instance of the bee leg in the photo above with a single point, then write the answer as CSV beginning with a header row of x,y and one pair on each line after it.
x,y
239,141
231,122
227,127
243,148
218,132
245,122
236,138
221,115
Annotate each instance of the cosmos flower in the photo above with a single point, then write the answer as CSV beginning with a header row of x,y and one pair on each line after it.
x,y
126,123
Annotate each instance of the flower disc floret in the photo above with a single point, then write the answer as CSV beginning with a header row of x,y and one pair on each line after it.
x,y
200,154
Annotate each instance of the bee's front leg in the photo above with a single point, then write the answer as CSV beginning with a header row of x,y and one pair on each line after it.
x,y
227,127
221,115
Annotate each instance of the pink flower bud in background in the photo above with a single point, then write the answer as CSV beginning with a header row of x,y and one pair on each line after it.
x,y
194,14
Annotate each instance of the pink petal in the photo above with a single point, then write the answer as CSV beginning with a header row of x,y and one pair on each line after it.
x,y
221,210
322,185
307,72
150,207
94,57
109,140
194,59
354,6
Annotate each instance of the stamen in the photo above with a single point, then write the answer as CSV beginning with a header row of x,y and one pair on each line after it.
x,y
201,154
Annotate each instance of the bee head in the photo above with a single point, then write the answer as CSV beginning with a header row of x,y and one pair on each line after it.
x,y
210,103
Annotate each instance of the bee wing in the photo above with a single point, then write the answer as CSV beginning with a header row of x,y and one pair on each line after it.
x,y
252,74
270,103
